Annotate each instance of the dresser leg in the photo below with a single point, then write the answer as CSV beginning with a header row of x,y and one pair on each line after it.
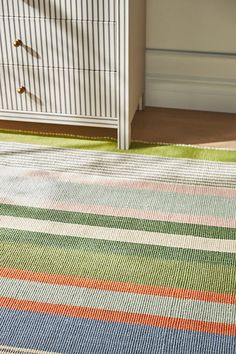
x,y
141,105
124,135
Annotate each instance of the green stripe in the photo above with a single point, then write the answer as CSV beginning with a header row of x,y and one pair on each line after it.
x,y
77,142
116,247
116,261
118,222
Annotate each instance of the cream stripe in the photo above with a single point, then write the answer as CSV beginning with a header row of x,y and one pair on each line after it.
x,y
120,212
14,350
132,184
70,177
133,236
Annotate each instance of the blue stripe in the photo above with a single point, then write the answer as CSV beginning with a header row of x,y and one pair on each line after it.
x,y
81,336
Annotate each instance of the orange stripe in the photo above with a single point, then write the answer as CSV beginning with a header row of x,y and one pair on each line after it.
x,y
117,316
117,286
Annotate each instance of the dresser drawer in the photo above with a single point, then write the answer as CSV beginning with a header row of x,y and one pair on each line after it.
x,y
59,91
59,43
98,10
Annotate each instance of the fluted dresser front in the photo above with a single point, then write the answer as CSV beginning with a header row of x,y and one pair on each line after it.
x,y
77,62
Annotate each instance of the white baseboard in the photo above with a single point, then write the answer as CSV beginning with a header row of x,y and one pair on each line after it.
x,y
191,81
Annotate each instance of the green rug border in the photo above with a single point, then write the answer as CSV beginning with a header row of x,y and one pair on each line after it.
x,y
109,145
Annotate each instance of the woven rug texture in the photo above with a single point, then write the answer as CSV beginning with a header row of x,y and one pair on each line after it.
x,y
112,253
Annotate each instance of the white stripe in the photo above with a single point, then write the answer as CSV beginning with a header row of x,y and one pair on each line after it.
x,y
121,235
104,169
121,165
115,155
144,160
149,164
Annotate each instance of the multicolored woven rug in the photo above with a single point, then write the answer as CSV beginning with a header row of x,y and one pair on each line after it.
x,y
105,252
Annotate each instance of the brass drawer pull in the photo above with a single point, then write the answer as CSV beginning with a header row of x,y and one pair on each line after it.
x,y
21,90
17,43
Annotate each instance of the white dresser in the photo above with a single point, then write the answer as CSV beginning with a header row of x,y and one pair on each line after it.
x,y
77,62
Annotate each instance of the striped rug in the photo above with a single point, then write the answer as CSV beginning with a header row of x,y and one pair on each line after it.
x,y
106,252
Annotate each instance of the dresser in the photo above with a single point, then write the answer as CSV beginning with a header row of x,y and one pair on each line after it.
x,y
73,62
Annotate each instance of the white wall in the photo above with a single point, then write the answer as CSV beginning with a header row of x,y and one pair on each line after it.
x,y
192,61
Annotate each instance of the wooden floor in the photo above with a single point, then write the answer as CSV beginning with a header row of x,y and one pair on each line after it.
x,y
159,125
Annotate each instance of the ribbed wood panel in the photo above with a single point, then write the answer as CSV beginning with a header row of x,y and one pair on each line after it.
x,y
78,60
59,43
102,10
59,91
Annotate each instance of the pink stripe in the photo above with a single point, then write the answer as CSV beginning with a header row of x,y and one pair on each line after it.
x,y
133,213
147,185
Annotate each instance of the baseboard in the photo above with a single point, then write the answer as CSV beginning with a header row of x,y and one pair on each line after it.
x,y
190,81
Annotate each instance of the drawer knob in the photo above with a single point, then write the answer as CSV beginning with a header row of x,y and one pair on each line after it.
x,y
17,43
21,90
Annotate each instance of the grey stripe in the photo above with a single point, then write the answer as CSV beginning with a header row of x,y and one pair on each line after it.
x,y
131,166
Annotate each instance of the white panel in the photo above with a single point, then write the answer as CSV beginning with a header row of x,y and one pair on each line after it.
x,y
82,91
113,47
44,8
113,96
100,9
6,43
52,43
92,95
96,37
8,100
74,61
38,95
58,91
64,9
108,91
98,93
92,59
95,8
67,90
50,118
73,108
87,90
62,41
53,9
107,10
101,79
102,48
8,6
124,134
63,90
